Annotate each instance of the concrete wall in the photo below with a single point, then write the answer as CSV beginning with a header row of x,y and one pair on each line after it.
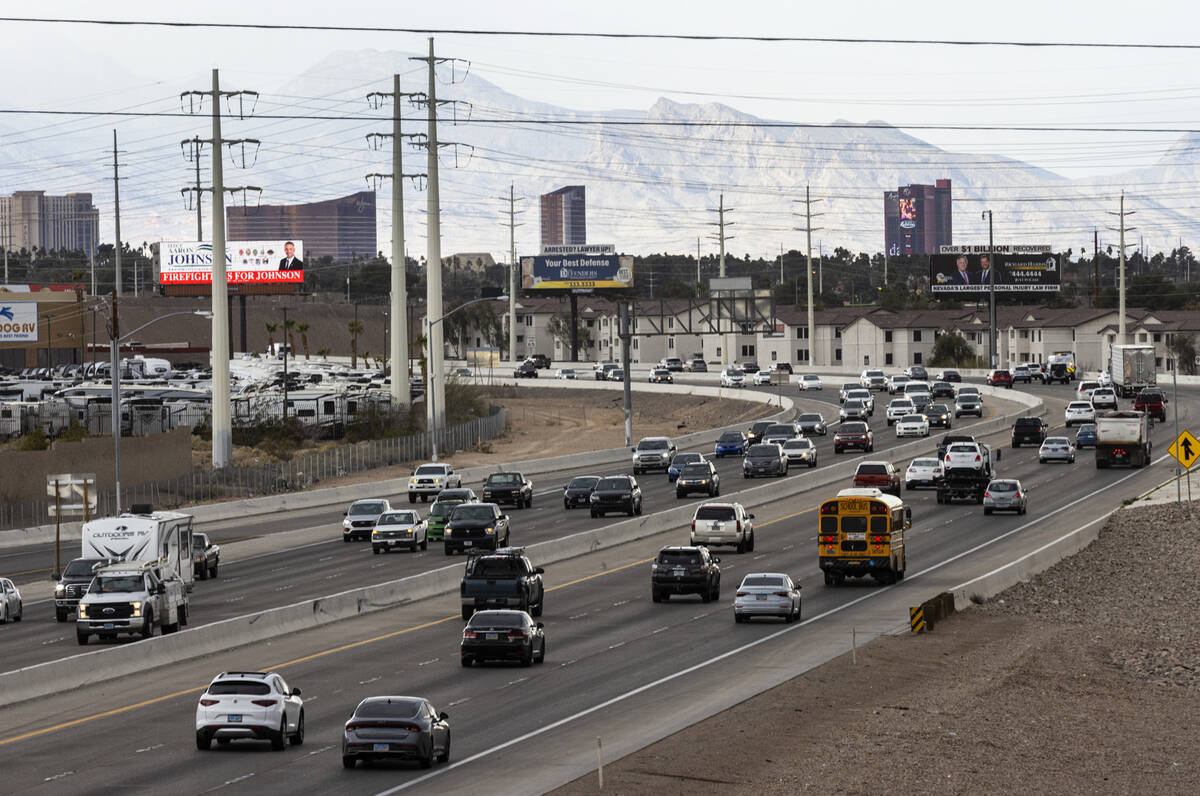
x,y
150,458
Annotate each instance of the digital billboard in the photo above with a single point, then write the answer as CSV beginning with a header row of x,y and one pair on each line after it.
x,y
1012,273
579,273
246,262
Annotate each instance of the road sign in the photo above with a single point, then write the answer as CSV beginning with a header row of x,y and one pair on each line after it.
x,y
71,491
1186,449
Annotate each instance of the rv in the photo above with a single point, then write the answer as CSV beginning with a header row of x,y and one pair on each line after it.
x,y
163,536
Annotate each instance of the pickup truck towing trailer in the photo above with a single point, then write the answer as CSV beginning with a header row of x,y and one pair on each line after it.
x,y
132,598
1122,438
1132,369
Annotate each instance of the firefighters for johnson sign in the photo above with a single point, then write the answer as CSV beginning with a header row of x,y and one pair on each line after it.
x,y
246,262
18,322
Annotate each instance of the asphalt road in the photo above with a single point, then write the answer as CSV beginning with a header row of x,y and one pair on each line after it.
x,y
606,641
314,570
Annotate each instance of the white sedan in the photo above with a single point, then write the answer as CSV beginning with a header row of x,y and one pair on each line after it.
x,y
762,377
912,426
732,378
810,381
1056,449
767,594
1079,412
399,529
564,373
923,472
11,607
800,450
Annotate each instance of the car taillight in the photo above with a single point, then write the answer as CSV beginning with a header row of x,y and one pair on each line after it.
x,y
264,703
877,539
743,594
469,634
208,703
693,526
947,458
516,634
978,459
989,494
781,594
739,526
1018,494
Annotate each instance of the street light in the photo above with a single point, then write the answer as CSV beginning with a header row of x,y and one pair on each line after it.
x,y
114,348
991,277
431,393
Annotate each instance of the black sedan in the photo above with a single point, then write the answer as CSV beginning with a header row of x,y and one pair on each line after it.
x,y
474,526
396,728
951,376
503,635
698,477
578,493
616,493
526,370
764,460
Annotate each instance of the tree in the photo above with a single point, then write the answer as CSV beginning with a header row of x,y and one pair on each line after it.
x,y
323,353
272,328
355,328
302,328
950,349
1183,349
559,327
289,327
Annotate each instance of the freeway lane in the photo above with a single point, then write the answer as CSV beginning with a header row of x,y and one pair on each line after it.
x,y
605,638
292,575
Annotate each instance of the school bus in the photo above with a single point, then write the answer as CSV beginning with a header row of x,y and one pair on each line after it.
x,y
860,533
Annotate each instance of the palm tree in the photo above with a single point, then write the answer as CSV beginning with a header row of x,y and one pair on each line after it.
x,y
272,328
355,328
302,328
288,327
323,353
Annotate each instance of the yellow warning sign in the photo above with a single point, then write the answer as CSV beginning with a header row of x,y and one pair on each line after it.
x,y
1186,449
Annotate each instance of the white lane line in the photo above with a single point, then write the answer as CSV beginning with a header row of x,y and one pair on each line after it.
x,y
236,780
372,680
426,663
323,748
623,602
54,640
284,588
325,558
787,547
750,645
660,630
618,644
151,748
514,682
458,702
58,776
236,599
567,663
701,616
578,616
764,555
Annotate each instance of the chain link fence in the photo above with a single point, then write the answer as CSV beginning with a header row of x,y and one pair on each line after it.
x,y
305,471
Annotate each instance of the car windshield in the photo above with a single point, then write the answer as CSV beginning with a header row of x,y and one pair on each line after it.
x,y
498,567
939,408
763,580
810,377
763,450
854,428
653,445
810,418
696,470
901,403
468,511
661,372
780,429
388,709
874,374
963,449
722,513
925,463
370,507
1056,441
1002,486
583,482
679,557
442,508
968,399
455,494
430,469
247,687
912,418
116,583
503,478
80,567
731,436
497,619
613,483
968,390
1080,405
1088,429
854,403
399,518
686,458
872,469
797,443
1088,385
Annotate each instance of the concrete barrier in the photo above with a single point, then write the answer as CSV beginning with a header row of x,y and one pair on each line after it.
x,y
112,662
344,495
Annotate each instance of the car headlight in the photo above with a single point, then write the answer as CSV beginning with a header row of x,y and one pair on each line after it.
x,y
489,529
374,532
437,480
412,482
83,610
448,532
595,498
137,608
345,523
60,590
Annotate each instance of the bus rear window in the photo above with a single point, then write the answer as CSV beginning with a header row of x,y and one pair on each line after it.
x,y
879,525
829,525
852,524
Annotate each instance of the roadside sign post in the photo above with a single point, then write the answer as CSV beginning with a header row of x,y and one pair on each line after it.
x,y
80,490
1186,451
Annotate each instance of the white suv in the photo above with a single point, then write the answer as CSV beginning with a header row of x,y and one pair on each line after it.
x,y
257,705
733,377
430,479
723,524
1079,412
1104,398
898,408
653,453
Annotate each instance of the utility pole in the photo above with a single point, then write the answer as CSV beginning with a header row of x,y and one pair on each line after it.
x,y
117,212
991,294
398,319
1121,272
808,231
115,409
720,224
514,272
1095,268
697,266
781,263
222,421
285,363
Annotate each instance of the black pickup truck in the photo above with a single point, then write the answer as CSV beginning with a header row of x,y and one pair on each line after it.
x,y
504,578
508,488
206,556
475,526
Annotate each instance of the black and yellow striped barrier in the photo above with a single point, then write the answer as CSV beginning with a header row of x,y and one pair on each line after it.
x,y
916,619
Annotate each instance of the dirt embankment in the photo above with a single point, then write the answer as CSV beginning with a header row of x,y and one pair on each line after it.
x,y
1084,679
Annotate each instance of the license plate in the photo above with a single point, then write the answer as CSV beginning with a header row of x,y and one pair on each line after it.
x,y
467,544
109,625
679,573
716,525
380,747
856,537
234,718
760,597
491,636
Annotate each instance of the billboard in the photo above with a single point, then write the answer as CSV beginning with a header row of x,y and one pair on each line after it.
x,y
577,273
246,262
1012,273
18,322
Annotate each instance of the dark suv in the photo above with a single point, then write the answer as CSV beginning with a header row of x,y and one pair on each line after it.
x,y
72,584
1028,429
853,435
698,477
475,525
764,460
511,488
685,570
616,493
540,361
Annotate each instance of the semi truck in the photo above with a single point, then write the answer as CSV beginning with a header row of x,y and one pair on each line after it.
x,y
144,535
1132,369
1122,438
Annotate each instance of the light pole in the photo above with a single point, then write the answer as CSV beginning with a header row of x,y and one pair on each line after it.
x,y
433,372
114,356
991,278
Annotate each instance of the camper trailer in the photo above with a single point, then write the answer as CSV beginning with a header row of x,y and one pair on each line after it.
x,y
164,536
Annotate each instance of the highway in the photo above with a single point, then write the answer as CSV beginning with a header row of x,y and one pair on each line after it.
x,y
292,574
606,642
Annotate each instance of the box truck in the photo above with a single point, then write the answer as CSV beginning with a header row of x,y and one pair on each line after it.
x,y
1132,369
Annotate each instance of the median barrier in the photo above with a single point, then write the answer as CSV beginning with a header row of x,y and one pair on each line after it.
x,y
344,495
112,662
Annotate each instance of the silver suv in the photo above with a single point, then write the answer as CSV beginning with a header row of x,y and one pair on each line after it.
x,y
723,524
653,453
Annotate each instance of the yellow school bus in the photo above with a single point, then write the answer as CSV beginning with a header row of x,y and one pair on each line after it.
x,y
861,532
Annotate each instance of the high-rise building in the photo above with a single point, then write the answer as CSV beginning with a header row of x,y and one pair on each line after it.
x,y
564,220
917,219
30,219
339,228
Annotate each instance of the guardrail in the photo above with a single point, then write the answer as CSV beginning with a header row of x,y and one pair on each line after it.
x,y
93,667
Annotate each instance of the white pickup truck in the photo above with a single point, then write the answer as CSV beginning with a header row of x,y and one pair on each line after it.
x,y
132,598
898,408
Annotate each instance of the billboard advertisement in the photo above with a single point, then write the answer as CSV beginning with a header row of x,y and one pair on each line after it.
x,y
246,262
1012,273
578,273
18,322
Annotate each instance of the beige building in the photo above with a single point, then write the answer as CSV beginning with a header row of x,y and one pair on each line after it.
x,y
30,219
